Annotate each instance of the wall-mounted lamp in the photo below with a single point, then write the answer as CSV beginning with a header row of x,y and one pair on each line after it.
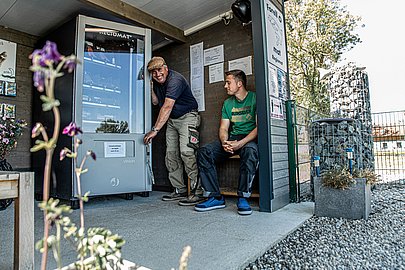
x,y
350,155
242,11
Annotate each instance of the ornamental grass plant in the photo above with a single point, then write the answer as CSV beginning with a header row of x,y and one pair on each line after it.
x,y
339,177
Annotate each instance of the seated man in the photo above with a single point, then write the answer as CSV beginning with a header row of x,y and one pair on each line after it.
x,y
237,136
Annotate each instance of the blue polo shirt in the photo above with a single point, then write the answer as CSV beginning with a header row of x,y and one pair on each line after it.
x,y
176,87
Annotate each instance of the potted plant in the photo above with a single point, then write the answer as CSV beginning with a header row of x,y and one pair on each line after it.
x,y
341,194
10,131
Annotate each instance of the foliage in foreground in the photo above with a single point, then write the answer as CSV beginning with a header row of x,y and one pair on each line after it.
x,y
318,33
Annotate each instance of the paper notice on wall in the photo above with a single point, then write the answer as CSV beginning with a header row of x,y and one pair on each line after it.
x,y
214,55
277,82
275,36
244,64
8,52
273,86
282,84
216,72
197,74
114,149
276,108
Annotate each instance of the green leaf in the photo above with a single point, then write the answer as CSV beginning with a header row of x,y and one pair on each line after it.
x,y
39,145
48,103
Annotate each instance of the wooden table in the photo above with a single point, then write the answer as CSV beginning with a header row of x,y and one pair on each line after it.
x,y
20,187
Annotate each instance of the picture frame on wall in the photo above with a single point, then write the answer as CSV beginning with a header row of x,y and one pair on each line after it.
x,y
1,88
10,89
8,53
9,110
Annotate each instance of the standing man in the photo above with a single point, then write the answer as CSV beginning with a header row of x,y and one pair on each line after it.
x,y
237,136
179,109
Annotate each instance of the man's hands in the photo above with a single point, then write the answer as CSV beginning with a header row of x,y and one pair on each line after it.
x,y
149,136
232,146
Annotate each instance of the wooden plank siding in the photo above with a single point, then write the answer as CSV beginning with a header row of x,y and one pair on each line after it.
x,y
279,142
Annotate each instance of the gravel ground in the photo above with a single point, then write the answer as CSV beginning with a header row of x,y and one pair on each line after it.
x,y
333,243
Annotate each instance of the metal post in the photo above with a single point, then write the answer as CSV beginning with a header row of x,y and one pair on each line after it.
x,y
292,165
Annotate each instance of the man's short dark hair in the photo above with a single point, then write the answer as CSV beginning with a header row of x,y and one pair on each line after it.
x,y
238,75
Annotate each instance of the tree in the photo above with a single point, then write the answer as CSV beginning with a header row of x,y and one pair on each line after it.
x,y
112,126
318,33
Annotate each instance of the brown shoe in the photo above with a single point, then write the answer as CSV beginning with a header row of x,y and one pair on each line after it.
x,y
192,200
174,196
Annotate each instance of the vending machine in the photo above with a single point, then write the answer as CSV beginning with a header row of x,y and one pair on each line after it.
x,y
108,96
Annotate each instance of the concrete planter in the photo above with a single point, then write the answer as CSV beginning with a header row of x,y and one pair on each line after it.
x,y
351,203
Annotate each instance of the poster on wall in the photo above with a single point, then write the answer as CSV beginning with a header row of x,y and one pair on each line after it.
x,y
197,74
7,110
214,55
276,108
244,64
8,54
216,73
282,84
10,89
273,84
277,82
1,88
276,47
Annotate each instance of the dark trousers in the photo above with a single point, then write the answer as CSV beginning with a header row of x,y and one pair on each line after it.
x,y
211,154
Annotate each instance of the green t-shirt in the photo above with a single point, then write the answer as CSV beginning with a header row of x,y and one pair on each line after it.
x,y
242,114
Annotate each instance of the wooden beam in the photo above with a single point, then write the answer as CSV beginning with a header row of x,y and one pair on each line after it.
x,y
134,14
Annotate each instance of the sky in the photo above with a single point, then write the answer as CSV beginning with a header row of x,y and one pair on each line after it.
x,y
382,50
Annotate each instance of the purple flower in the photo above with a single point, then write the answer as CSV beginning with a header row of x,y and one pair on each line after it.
x,y
36,130
51,52
5,140
92,154
39,80
48,55
70,64
63,153
72,130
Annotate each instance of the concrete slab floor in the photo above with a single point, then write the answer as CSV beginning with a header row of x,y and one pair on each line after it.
x,y
156,231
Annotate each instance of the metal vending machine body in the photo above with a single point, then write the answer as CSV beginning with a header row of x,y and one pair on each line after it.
x,y
111,107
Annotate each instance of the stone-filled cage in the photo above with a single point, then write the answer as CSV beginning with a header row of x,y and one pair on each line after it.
x,y
349,94
331,137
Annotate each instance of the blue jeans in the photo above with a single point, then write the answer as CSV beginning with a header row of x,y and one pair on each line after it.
x,y
211,154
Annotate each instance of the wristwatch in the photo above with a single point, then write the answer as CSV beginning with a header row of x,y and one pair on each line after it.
x,y
155,129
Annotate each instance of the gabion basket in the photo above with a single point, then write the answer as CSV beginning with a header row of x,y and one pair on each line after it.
x,y
349,94
329,139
